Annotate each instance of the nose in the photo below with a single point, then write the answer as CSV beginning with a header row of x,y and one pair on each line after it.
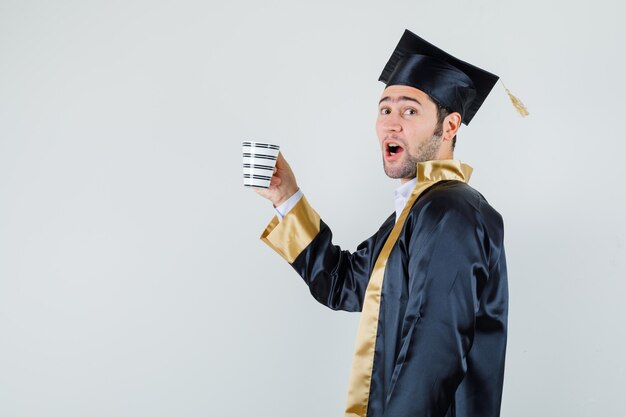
x,y
391,123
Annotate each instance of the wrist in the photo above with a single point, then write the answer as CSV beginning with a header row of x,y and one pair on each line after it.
x,y
286,196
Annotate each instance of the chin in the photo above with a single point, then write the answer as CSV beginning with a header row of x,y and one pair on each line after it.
x,y
394,174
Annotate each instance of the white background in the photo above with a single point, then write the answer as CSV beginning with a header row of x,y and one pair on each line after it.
x,y
132,279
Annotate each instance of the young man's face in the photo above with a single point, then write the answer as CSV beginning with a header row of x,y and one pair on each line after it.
x,y
407,118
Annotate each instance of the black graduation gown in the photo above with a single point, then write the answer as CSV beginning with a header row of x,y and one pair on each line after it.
x,y
442,324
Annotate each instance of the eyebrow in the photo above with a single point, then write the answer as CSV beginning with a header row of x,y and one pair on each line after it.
x,y
401,98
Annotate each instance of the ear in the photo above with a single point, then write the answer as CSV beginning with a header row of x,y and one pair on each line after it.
x,y
451,125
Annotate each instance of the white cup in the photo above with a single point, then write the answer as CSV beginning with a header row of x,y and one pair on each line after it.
x,y
259,160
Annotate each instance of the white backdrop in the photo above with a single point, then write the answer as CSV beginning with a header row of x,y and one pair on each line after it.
x,y
132,279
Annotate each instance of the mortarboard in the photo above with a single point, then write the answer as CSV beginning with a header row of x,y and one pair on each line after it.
x,y
450,82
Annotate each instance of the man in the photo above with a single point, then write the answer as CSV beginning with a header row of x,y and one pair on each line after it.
x,y
431,284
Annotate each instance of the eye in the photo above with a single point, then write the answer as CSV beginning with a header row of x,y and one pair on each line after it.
x,y
410,111
384,110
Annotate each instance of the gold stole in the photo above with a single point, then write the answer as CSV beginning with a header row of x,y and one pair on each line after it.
x,y
428,173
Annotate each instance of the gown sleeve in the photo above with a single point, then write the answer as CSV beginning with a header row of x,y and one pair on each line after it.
x,y
336,278
447,268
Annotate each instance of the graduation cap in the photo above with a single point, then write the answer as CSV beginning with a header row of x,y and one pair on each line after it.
x,y
454,84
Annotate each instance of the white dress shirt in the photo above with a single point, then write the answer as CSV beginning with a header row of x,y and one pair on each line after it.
x,y
401,196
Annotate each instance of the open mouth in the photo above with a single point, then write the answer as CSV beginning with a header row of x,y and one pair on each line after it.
x,y
393,149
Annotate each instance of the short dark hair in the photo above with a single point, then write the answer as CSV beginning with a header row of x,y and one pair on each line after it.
x,y
442,112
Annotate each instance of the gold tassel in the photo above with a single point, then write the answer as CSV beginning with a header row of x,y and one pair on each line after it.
x,y
517,103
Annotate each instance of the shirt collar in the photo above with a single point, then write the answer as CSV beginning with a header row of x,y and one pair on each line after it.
x,y
404,190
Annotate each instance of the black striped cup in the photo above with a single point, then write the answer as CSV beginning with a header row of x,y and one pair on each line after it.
x,y
259,160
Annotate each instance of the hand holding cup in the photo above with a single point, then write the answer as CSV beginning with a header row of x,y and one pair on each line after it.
x,y
282,185
266,170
